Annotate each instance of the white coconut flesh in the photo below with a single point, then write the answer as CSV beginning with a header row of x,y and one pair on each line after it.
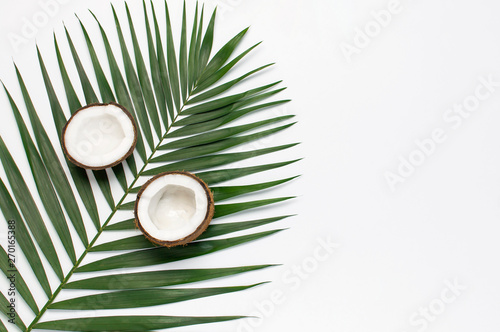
x,y
99,135
172,207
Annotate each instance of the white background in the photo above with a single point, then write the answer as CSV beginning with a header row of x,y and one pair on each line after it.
x,y
356,118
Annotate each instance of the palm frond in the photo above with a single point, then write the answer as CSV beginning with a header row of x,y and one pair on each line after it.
x,y
5,309
8,267
158,278
188,119
129,323
161,255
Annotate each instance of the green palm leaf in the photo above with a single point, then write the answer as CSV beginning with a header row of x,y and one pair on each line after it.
x,y
186,119
137,298
8,268
44,186
29,209
161,255
139,242
129,323
5,309
158,278
23,238
155,71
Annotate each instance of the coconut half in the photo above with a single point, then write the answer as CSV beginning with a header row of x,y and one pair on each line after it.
x,y
174,208
99,136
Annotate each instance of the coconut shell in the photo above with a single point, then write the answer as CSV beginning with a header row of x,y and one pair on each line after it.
x,y
201,228
97,168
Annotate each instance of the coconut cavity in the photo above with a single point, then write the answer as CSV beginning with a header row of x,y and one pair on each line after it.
x,y
174,208
99,136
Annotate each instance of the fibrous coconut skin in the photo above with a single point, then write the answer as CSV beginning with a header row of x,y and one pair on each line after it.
x,y
153,214
106,129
